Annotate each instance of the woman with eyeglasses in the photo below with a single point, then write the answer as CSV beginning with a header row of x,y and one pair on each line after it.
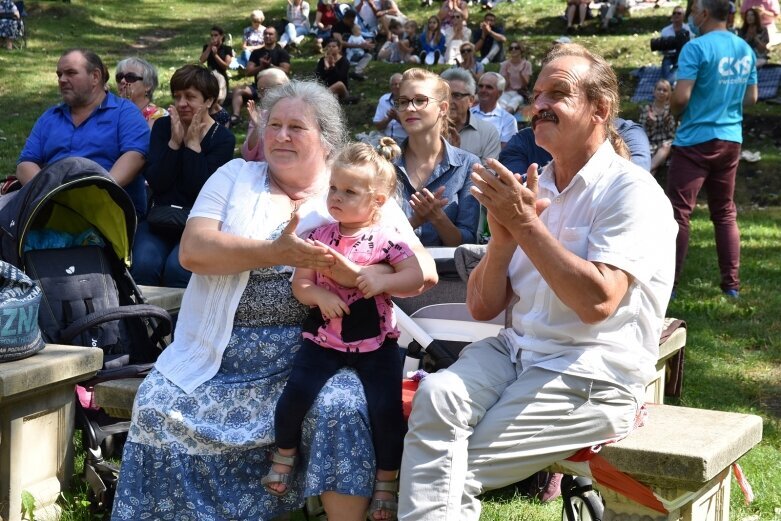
x,y
185,149
449,9
252,37
434,176
469,61
137,80
517,72
455,35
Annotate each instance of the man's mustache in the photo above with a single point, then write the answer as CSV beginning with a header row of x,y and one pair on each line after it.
x,y
545,115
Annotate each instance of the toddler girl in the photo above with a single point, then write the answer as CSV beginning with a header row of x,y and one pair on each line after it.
x,y
353,327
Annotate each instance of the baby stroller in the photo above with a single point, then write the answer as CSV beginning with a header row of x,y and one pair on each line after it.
x,y
71,229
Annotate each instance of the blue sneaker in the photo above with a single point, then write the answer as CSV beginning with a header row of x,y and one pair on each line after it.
x,y
731,293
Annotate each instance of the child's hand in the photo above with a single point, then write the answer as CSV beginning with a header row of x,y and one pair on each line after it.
x,y
331,306
370,284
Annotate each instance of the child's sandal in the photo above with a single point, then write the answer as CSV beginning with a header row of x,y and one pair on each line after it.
x,y
280,478
386,505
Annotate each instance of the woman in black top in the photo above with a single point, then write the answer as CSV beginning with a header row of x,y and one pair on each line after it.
x,y
185,148
333,70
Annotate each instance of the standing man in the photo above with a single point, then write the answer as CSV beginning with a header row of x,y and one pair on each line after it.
x,y
489,89
571,370
270,56
92,123
386,119
717,76
472,134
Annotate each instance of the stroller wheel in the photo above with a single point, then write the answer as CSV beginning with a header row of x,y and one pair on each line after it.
x,y
580,501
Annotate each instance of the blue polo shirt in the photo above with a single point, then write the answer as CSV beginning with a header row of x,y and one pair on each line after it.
x,y
722,65
115,127
453,172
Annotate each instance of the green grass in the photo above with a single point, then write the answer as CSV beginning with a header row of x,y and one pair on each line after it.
x,y
733,354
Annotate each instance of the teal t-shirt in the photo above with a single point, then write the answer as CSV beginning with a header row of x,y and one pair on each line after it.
x,y
722,65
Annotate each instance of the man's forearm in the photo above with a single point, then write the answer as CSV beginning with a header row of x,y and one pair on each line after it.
x,y
26,170
488,289
127,167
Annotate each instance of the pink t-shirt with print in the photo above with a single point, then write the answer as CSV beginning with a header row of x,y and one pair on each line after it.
x,y
368,316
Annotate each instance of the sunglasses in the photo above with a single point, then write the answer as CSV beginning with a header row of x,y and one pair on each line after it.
x,y
129,77
466,51
515,48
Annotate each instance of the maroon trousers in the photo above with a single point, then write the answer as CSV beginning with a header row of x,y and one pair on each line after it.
x,y
711,165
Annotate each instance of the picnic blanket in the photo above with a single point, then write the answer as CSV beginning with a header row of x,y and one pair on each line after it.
x,y
768,80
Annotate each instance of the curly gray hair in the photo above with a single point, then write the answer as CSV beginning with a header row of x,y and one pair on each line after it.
x,y
323,104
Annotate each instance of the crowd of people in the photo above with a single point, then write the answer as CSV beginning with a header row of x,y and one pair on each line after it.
x,y
279,383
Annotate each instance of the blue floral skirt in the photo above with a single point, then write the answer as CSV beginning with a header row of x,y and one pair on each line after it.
x,y
201,456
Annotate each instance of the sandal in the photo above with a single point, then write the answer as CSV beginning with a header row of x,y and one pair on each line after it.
x,y
279,478
388,505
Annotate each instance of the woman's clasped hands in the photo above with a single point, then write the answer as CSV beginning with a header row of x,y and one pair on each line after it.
x,y
427,206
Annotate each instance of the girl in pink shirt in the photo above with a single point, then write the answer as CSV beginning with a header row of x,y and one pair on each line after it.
x,y
353,327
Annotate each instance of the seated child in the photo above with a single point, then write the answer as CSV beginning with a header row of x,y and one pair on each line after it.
x,y
353,327
354,54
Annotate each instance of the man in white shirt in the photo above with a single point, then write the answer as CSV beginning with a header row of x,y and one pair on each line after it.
x,y
474,135
677,29
385,118
588,249
489,89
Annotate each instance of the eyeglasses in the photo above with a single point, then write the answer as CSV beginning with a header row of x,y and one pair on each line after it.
x,y
269,34
459,95
419,102
129,77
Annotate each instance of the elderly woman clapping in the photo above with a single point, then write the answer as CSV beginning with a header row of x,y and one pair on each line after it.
x,y
137,80
202,429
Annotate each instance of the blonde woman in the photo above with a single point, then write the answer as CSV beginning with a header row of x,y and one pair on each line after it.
x,y
434,175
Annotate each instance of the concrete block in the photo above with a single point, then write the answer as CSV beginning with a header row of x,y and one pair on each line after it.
x,y
170,299
116,396
36,425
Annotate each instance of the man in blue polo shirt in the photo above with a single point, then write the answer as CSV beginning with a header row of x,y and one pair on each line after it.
x,y
717,76
90,122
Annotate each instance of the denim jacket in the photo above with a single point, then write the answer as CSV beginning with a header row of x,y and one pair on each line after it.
x,y
453,172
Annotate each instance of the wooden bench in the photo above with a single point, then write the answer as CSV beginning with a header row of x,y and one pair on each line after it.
x,y
36,426
685,456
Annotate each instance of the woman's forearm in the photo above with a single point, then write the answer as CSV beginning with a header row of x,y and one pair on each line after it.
x,y
206,250
448,232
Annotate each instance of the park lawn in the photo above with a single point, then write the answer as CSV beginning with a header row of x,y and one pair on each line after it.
x,y
733,357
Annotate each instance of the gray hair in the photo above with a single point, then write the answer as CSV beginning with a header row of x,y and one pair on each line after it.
x,y
500,81
463,75
322,103
718,9
148,72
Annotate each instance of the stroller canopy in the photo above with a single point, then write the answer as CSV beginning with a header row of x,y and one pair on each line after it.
x,y
70,196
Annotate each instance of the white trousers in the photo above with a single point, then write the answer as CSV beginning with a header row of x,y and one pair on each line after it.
x,y
485,423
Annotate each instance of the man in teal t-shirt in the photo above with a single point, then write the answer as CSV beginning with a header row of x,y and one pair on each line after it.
x,y
717,76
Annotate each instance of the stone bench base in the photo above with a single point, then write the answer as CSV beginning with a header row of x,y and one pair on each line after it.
x,y
684,455
36,426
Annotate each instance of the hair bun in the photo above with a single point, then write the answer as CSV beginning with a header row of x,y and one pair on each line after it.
x,y
388,148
